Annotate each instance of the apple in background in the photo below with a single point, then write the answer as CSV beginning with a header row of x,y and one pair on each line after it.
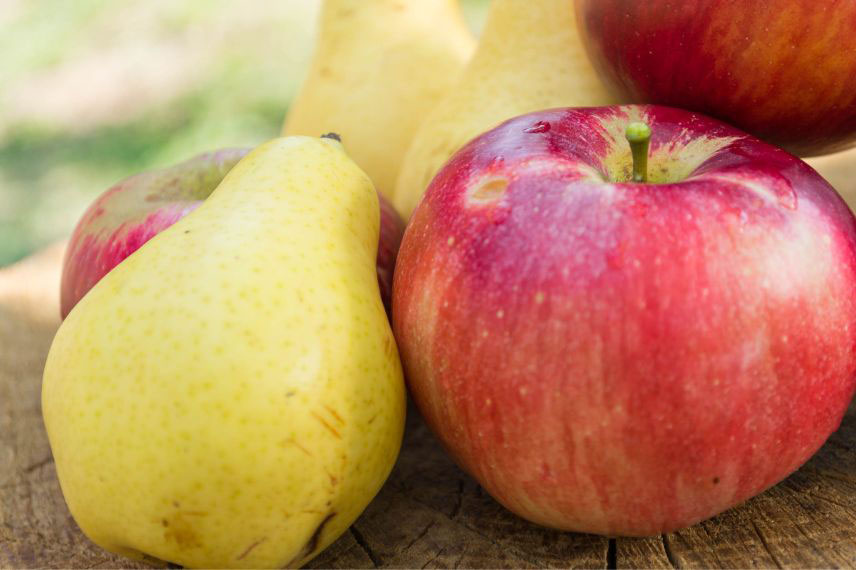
x,y
619,357
782,70
133,211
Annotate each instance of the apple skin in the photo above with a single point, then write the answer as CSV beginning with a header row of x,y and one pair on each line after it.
x,y
780,69
133,211
627,358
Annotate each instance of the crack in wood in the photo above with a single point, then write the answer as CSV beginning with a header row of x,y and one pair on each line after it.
x,y
460,499
419,537
670,556
611,555
835,474
358,536
766,545
516,553
436,556
812,540
523,557
830,501
39,464
462,525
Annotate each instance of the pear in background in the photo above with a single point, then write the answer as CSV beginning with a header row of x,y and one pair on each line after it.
x,y
839,169
379,66
530,57
231,394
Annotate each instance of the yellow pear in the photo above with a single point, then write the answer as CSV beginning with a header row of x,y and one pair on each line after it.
x,y
379,66
839,169
530,57
231,394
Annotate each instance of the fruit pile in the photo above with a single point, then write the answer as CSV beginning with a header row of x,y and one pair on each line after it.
x,y
619,319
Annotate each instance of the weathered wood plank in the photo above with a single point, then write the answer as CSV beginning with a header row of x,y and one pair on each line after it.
x,y
429,514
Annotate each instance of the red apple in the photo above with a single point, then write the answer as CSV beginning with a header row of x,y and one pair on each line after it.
x,y
619,357
133,211
782,70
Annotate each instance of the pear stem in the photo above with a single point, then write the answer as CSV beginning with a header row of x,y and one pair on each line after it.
x,y
639,136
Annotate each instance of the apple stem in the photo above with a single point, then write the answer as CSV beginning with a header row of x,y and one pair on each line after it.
x,y
639,136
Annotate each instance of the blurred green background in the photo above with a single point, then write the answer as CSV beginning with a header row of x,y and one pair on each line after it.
x,y
92,91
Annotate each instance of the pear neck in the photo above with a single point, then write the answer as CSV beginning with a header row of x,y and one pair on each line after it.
x,y
344,15
511,24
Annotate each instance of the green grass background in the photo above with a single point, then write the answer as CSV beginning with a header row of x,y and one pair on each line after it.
x,y
92,91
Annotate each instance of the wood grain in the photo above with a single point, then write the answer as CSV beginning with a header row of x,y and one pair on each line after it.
x,y
429,514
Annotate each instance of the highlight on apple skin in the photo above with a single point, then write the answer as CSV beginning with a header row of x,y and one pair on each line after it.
x,y
627,358
780,69
135,210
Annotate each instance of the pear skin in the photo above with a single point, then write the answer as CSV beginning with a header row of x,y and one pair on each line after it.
x,y
839,169
231,394
378,67
530,57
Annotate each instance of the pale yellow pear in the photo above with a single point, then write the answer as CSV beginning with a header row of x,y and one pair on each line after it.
x,y
839,169
231,394
378,67
530,57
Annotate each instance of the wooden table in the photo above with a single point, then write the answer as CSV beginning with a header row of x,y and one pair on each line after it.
x,y
429,514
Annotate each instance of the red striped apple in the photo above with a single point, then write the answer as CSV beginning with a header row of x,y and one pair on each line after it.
x,y
782,70
621,349
133,211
